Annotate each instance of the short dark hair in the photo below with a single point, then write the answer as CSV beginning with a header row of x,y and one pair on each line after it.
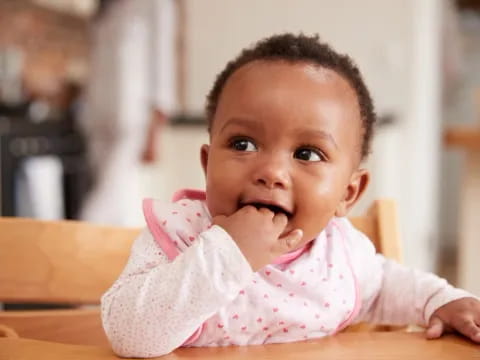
x,y
301,48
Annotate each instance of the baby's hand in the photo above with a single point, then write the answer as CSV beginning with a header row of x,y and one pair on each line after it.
x,y
257,234
462,315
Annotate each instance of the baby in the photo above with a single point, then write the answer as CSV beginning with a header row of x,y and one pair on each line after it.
x,y
266,254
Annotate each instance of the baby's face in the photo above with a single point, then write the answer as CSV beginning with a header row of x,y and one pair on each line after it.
x,y
287,137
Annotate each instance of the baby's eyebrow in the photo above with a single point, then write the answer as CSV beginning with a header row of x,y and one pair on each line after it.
x,y
314,133
244,123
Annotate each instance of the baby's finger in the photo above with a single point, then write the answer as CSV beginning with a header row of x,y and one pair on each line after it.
x,y
246,209
289,241
435,328
266,212
280,221
477,322
476,337
467,327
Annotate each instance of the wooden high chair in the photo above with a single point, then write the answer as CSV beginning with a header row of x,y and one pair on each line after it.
x,y
380,224
64,262
74,263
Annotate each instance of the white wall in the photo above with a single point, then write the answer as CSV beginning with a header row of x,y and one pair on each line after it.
x,y
179,165
421,139
376,33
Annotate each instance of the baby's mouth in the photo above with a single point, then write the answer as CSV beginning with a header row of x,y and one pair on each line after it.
x,y
276,209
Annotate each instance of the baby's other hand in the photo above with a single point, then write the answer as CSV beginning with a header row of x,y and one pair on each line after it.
x,y
462,315
258,234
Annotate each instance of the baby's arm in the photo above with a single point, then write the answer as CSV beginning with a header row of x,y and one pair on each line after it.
x,y
157,305
392,293
399,295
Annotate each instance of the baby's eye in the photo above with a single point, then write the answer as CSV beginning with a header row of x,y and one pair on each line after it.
x,y
309,154
243,145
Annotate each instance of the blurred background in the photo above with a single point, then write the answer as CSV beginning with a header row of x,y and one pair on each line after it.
x,y
101,104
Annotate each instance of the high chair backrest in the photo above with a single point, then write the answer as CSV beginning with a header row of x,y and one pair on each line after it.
x,y
60,262
380,224
74,263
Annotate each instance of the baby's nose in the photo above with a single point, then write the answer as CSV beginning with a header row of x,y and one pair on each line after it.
x,y
274,172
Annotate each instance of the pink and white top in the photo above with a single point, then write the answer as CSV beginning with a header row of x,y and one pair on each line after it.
x,y
188,284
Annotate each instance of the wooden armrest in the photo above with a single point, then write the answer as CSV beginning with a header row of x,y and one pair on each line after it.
x,y
366,327
8,332
69,326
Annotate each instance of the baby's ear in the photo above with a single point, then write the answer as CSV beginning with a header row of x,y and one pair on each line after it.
x,y
204,157
358,183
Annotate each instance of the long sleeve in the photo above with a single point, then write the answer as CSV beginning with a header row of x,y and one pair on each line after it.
x,y
157,304
395,294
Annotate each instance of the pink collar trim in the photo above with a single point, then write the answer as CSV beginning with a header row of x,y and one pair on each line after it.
x,y
191,194
292,255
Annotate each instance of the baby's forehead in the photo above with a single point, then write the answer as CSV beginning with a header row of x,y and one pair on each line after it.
x,y
265,68
301,79
282,85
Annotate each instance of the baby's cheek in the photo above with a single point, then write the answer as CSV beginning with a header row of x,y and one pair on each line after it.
x,y
313,220
219,204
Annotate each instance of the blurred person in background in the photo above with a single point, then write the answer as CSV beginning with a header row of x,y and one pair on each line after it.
x,y
130,93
